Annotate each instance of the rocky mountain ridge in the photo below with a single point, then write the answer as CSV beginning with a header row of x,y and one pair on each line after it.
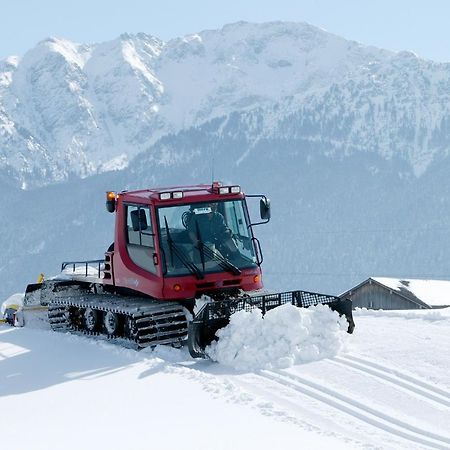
x,y
71,109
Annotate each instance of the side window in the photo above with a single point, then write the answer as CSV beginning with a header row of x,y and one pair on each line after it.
x,y
139,226
235,218
140,237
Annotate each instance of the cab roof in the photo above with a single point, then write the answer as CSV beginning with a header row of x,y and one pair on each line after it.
x,y
190,193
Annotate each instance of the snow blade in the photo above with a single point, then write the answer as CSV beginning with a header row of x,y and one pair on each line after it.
x,y
201,334
216,315
344,308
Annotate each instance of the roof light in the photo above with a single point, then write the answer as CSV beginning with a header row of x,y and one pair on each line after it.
x,y
165,195
235,189
224,190
178,194
111,201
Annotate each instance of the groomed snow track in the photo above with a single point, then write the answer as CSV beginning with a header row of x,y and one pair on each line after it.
x,y
396,378
360,410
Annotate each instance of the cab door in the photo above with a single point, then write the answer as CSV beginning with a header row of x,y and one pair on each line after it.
x,y
140,237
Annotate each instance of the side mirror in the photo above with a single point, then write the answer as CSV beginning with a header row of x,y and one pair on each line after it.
x,y
138,220
264,208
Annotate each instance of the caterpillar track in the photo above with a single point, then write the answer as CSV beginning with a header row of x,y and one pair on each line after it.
x,y
139,322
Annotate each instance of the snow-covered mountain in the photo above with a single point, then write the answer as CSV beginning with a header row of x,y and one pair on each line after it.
x,y
68,109
350,142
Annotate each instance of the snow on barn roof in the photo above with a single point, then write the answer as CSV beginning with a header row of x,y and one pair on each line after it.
x,y
431,292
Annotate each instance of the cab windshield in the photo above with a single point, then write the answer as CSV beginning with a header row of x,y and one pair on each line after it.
x,y
201,238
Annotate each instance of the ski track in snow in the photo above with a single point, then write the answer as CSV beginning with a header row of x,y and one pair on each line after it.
x,y
242,390
409,383
357,409
235,390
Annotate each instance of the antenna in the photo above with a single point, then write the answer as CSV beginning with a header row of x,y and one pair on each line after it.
x,y
213,154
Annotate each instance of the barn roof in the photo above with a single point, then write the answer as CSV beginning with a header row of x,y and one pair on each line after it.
x,y
433,293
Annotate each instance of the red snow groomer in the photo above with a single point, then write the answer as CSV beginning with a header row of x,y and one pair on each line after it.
x,y
172,247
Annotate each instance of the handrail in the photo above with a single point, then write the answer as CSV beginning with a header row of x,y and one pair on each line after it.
x,y
86,264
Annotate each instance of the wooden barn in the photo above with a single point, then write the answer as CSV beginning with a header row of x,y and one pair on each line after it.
x,y
395,293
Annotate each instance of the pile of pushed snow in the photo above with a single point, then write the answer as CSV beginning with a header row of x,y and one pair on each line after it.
x,y
284,336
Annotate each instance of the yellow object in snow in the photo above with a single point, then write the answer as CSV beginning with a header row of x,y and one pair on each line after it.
x,y
40,278
12,306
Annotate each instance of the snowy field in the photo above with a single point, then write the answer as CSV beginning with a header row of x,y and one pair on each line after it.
x,y
387,386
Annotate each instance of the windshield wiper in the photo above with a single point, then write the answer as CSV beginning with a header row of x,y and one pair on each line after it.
x,y
205,250
223,262
174,249
200,245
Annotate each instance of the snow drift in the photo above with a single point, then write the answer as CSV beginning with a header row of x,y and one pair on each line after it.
x,y
283,337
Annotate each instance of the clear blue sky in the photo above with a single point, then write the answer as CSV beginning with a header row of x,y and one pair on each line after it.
x,y
420,26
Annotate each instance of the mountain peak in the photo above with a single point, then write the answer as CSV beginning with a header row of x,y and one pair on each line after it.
x,y
71,52
84,105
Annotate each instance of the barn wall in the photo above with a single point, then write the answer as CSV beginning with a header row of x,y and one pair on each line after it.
x,y
373,296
